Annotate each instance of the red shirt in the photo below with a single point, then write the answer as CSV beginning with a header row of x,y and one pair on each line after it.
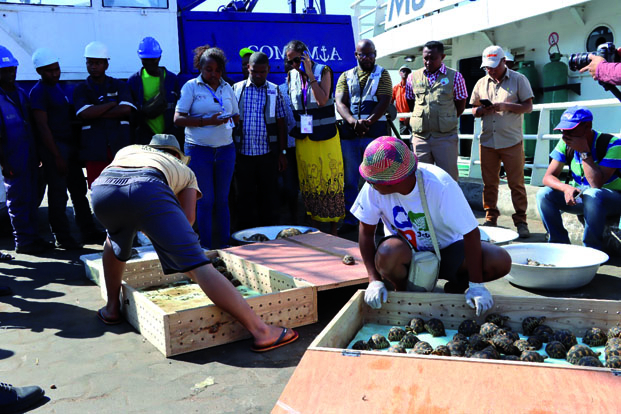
x,y
398,97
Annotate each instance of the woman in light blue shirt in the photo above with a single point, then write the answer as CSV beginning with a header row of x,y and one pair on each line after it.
x,y
208,110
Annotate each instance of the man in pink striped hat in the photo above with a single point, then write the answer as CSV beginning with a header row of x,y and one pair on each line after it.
x,y
392,193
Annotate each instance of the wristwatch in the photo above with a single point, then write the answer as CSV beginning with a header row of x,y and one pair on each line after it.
x,y
284,152
584,155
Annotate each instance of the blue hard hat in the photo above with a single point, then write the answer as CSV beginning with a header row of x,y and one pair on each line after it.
x,y
149,48
7,59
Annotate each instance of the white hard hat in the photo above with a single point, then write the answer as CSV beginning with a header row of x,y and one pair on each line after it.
x,y
96,50
43,57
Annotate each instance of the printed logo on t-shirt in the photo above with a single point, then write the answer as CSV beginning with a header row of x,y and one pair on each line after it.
x,y
412,226
419,220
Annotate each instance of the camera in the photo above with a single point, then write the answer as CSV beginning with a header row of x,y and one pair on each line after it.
x,y
606,50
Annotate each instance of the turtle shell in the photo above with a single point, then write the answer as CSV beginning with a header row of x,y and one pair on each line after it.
x,y
435,327
487,353
612,350
378,341
523,345
218,262
613,362
544,332
530,323
457,348
469,351
497,319
514,336
349,260
478,342
578,351
288,232
565,337
441,350
468,327
417,325
594,337
422,348
361,346
505,345
257,237
460,337
532,356
613,342
557,350
409,340
510,358
396,349
589,361
535,342
614,332
488,329
395,333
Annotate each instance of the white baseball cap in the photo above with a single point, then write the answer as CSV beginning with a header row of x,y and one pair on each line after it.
x,y
492,56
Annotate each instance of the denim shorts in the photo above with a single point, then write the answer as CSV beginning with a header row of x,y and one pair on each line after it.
x,y
126,200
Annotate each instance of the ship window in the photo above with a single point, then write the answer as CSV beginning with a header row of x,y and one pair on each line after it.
x,y
141,4
599,35
75,3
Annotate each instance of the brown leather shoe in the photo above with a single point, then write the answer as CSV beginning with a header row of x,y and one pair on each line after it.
x,y
522,229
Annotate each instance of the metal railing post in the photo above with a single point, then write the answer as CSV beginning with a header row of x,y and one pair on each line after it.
x,y
475,165
542,149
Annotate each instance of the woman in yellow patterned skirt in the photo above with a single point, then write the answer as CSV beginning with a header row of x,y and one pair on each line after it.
x,y
318,146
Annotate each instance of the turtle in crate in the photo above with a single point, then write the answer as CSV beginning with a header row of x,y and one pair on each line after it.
x,y
409,340
497,319
435,327
487,353
594,337
468,327
397,349
395,334
505,344
613,348
578,351
457,348
416,325
614,332
556,349
378,341
489,329
565,337
590,361
530,323
422,348
532,356
544,332
361,346
441,350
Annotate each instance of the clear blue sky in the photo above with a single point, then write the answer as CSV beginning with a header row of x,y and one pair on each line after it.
x,y
282,6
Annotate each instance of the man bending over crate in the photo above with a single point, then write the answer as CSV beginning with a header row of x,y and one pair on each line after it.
x,y
151,188
392,193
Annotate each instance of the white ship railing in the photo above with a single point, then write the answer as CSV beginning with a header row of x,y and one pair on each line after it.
x,y
541,138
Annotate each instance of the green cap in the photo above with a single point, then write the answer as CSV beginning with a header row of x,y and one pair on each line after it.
x,y
245,51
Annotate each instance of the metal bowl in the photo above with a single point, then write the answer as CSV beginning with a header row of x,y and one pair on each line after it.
x,y
270,231
574,266
497,235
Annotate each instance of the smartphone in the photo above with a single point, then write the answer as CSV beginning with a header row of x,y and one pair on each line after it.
x,y
485,102
224,116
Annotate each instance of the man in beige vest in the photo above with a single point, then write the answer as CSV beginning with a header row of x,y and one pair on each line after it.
x,y
501,98
439,95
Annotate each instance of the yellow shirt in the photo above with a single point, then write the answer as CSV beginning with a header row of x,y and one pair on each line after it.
x,y
178,175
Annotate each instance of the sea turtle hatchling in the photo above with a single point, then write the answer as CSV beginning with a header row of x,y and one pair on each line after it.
x,y
594,337
556,350
378,341
497,319
544,332
457,348
530,323
395,334
422,348
257,237
578,351
288,232
488,329
349,260
565,337
435,327
441,350
361,346
416,325
532,356
468,327
613,362
589,361
505,345
409,340
398,349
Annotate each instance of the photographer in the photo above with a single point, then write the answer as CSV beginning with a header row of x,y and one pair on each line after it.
x,y
603,71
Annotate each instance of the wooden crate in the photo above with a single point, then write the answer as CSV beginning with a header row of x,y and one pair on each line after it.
x,y
332,379
285,301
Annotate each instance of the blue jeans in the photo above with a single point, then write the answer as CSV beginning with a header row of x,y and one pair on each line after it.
x,y
353,150
597,204
214,171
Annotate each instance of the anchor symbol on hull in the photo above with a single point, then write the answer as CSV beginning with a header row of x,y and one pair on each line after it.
x,y
323,55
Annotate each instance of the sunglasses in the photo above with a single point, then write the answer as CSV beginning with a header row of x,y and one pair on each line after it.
x,y
294,60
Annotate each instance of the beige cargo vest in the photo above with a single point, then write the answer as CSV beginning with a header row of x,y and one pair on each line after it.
x,y
434,111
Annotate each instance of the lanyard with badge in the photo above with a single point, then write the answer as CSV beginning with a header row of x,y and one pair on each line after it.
x,y
230,124
306,120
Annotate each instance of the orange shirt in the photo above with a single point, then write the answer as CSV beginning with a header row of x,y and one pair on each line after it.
x,y
398,97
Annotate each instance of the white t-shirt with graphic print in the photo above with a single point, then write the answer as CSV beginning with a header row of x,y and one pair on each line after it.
x,y
450,213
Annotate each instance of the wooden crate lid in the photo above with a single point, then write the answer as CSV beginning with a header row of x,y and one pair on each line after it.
x,y
315,257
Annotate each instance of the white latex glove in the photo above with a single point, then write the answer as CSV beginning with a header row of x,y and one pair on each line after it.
x,y
479,298
375,294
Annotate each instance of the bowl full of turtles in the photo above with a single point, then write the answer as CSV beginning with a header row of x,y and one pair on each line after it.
x,y
493,339
261,234
551,266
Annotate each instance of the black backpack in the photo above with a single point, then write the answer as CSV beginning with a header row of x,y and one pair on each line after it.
x,y
601,146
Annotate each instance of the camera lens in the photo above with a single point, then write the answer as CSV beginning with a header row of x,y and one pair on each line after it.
x,y
578,60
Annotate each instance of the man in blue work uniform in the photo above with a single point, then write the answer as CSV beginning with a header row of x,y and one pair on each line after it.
x,y
19,159
155,91
104,104
58,149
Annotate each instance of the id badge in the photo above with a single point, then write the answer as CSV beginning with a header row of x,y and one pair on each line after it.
x,y
306,122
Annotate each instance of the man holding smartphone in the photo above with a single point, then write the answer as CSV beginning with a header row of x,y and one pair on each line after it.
x,y
501,98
